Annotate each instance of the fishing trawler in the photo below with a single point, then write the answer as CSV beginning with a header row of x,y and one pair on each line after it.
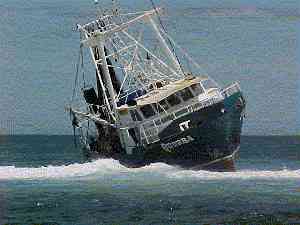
x,y
142,105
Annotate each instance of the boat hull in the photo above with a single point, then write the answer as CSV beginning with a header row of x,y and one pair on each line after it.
x,y
207,139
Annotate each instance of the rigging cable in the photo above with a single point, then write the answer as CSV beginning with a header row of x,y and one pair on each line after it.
x,y
76,76
165,31
82,67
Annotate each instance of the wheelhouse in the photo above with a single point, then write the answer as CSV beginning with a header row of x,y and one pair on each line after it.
x,y
166,99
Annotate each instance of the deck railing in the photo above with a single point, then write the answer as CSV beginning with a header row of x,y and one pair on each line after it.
x,y
231,89
151,129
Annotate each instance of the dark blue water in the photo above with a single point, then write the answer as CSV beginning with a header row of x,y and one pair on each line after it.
x,y
44,179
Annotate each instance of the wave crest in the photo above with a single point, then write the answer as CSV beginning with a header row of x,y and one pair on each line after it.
x,y
102,167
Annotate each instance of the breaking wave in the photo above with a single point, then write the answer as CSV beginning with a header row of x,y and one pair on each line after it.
x,y
244,174
106,167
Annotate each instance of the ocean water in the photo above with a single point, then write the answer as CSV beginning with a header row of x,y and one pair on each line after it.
x,y
45,180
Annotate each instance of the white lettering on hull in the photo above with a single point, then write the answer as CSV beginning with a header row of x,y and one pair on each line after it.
x,y
185,125
170,146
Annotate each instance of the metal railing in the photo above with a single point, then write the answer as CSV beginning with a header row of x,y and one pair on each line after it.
x,y
151,129
231,89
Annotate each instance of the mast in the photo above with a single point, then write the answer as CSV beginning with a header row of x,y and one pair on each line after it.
x,y
98,72
106,74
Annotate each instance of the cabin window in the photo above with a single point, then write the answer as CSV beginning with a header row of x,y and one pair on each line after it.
x,y
147,111
173,100
186,94
162,106
208,84
159,84
151,87
135,115
197,89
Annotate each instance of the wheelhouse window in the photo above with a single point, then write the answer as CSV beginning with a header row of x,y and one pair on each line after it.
x,y
135,115
173,100
159,84
197,89
186,94
147,111
208,84
162,106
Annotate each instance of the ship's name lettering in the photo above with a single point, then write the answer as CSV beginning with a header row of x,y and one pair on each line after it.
x,y
170,146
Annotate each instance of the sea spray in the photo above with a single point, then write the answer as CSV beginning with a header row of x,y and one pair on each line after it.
x,y
109,167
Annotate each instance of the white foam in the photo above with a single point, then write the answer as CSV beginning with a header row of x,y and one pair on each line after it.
x,y
58,172
245,174
103,167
